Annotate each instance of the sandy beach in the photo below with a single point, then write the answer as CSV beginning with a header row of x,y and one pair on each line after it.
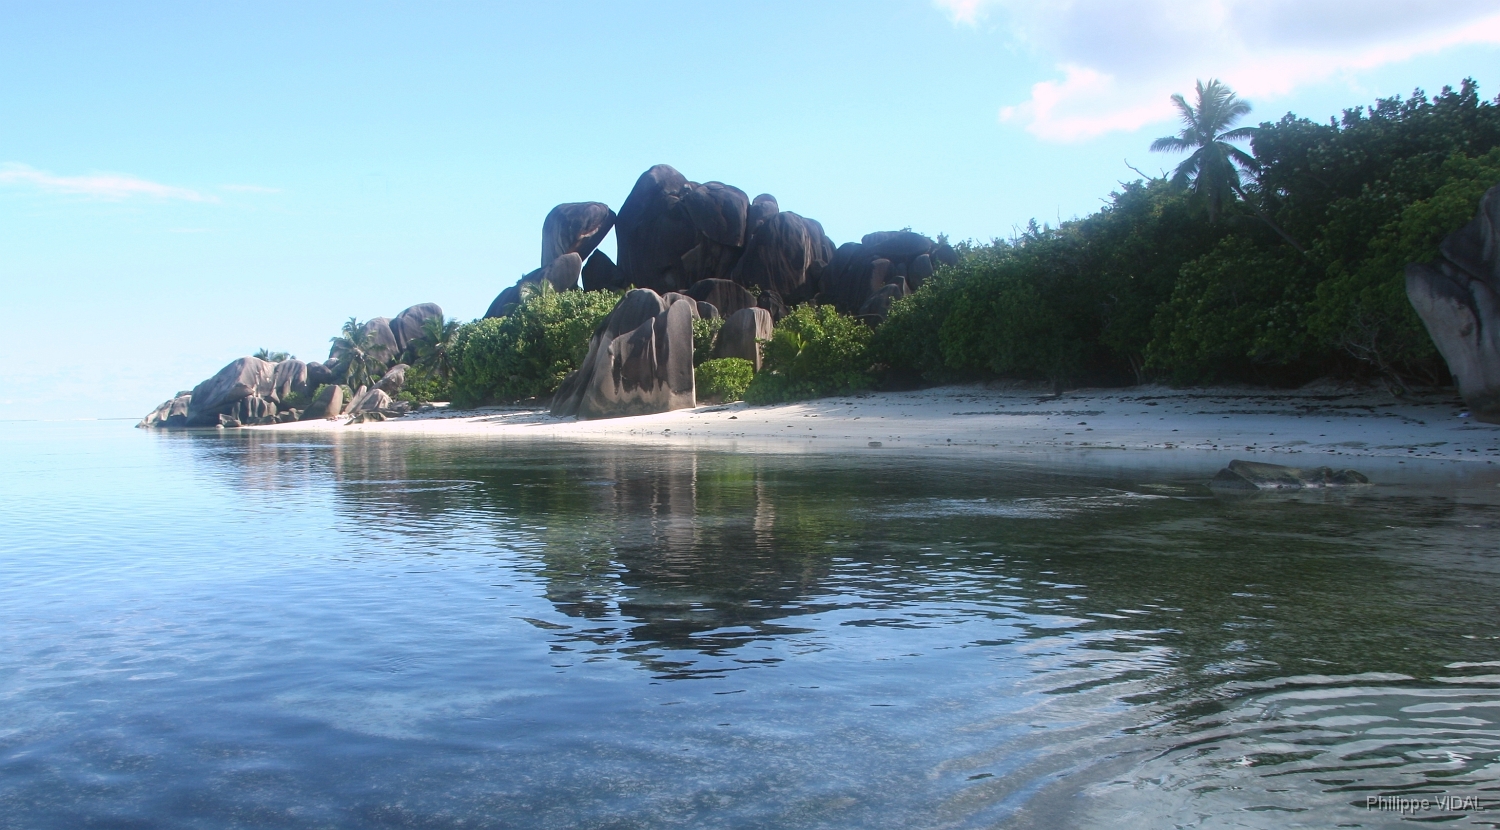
x,y
1322,423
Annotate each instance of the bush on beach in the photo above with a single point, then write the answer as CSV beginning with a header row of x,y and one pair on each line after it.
x,y
815,351
529,352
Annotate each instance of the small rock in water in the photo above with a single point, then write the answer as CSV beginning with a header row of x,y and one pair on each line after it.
x,y
1252,476
876,444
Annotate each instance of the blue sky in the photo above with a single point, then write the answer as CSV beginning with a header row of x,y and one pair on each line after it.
x,y
182,183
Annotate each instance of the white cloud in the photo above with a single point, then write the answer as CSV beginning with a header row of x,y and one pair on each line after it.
x,y
109,186
1119,62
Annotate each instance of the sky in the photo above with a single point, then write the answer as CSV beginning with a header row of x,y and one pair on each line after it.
x,y
184,183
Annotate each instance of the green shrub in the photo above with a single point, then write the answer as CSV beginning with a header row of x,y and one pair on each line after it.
x,y
991,315
724,380
814,352
704,332
1236,310
423,386
530,351
293,400
1361,307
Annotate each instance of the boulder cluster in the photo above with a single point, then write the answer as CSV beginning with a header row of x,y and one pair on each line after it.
x,y
717,253
714,243
252,391
1458,299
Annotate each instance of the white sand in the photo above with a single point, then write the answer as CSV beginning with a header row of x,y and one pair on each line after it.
x,y
1319,423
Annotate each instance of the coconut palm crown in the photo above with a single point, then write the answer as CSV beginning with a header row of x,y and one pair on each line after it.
x,y
362,359
434,346
1212,172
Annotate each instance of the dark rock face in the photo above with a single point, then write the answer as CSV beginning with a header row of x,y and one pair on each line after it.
x,y
564,271
217,395
505,302
778,257
601,274
319,374
718,211
762,208
707,311
253,411
653,230
743,333
1252,476
380,332
875,309
393,381
289,376
640,361
726,296
328,403
575,228
170,415
1458,299
562,275
708,260
369,400
858,271
408,324
897,245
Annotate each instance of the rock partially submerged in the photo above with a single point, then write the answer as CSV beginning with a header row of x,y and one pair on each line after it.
x,y
1254,476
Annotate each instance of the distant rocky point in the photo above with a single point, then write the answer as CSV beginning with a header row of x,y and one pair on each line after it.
x,y
253,391
707,249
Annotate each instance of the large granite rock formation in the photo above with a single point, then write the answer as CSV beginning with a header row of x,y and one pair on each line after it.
x,y
379,332
653,230
1458,299
640,361
718,211
780,257
374,399
857,278
328,403
171,414
289,377
252,410
743,334
218,395
601,274
394,380
407,326
724,295
575,228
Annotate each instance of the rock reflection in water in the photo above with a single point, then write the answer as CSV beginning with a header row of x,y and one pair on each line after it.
x,y
1069,637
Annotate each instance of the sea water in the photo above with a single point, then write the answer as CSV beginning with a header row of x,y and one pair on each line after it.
x,y
260,629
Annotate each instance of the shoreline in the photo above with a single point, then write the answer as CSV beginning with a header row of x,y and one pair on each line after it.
x,y
1315,425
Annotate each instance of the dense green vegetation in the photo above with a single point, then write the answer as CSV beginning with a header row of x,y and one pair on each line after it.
x,y
528,352
1274,266
814,352
723,380
704,333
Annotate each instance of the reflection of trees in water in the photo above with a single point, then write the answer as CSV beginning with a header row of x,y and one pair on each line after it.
x,y
658,550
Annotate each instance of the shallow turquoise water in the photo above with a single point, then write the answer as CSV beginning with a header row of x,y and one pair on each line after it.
x,y
251,630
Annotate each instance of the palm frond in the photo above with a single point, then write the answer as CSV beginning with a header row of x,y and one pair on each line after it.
x,y
1171,144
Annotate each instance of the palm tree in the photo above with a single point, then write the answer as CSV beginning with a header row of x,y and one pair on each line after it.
x,y
434,345
273,357
360,356
1212,172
